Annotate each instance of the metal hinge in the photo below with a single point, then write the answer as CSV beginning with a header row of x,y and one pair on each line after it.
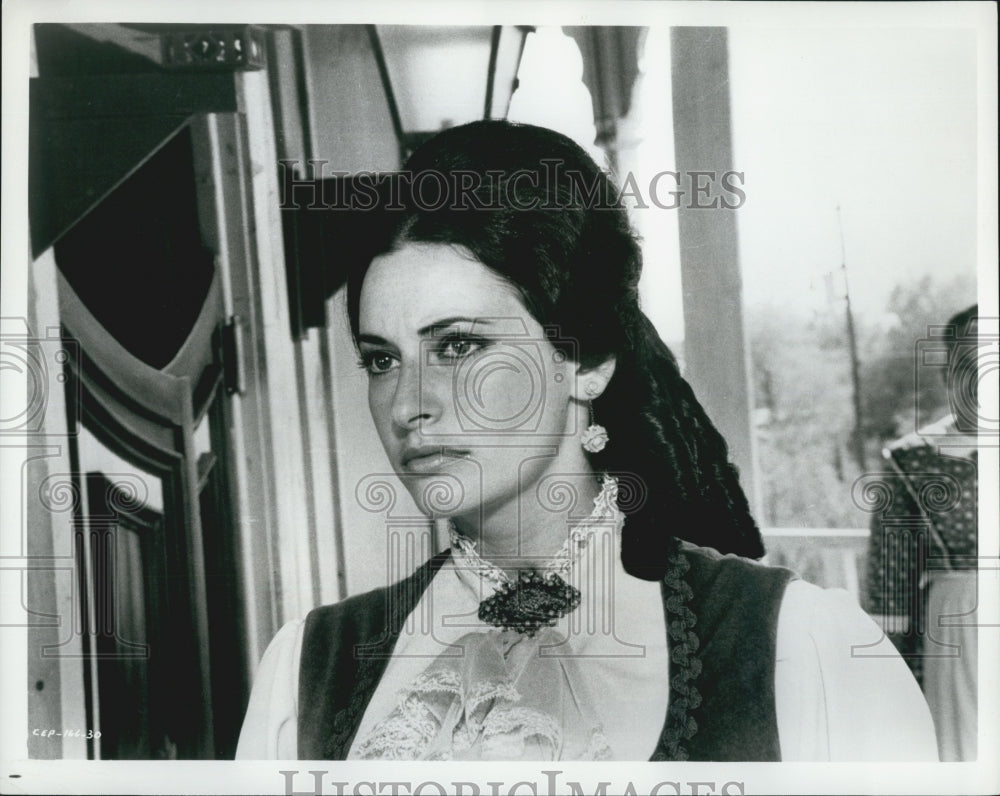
x,y
232,355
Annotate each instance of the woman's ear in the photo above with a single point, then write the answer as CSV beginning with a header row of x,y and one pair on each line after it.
x,y
592,381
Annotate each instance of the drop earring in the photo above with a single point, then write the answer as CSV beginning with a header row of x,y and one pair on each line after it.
x,y
595,436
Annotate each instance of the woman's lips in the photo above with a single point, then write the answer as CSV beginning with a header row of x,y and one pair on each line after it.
x,y
431,459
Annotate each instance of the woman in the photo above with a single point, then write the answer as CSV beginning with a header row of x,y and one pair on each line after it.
x,y
588,607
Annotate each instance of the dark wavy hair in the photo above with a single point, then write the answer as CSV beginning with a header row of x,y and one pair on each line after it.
x,y
533,207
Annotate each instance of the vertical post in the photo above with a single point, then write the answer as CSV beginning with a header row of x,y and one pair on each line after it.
x,y
857,436
57,674
716,355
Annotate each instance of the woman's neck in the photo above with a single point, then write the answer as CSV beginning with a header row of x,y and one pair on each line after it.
x,y
526,532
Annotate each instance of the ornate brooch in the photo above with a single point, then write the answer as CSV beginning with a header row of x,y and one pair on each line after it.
x,y
538,597
533,602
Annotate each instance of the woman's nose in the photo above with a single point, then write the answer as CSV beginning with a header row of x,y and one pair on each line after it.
x,y
415,401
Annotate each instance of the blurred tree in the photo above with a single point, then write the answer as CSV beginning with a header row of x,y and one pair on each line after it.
x,y
803,404
803,418
897,398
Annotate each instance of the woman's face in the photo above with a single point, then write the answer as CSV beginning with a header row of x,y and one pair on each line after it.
x,y
472,401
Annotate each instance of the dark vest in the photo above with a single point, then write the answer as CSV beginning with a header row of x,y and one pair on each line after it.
x,y
346,647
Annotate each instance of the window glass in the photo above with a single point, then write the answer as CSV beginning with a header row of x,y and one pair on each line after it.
x,y
137,260
859,149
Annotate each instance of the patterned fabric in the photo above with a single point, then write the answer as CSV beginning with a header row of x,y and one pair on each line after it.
x,y
945,491
926,524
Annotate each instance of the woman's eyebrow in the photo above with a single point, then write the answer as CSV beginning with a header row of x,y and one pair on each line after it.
x,y
433,328
372,339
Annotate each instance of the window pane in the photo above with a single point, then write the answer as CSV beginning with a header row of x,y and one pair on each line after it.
x,y
859,148
137,260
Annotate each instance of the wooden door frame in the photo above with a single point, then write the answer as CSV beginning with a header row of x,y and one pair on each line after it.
x,y
147,417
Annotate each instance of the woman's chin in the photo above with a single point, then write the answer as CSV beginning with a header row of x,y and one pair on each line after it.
x,y
440,495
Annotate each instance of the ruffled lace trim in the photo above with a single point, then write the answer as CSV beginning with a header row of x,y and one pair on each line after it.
x,y
504,731
444,680
483,694
500,702
403,736
507,731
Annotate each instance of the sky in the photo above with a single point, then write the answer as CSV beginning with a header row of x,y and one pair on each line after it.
x,y
881,122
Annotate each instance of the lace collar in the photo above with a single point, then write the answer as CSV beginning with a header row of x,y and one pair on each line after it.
x,y
483,577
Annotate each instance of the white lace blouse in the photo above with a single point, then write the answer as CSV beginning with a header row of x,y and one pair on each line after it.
x,y
841,692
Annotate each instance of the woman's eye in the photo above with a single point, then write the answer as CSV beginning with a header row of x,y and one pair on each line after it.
x,y
458,348
378,362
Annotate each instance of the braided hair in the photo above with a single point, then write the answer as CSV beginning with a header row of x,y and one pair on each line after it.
x,y
533,207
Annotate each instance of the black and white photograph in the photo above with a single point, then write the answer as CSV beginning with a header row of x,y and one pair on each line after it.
x,y
492,399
